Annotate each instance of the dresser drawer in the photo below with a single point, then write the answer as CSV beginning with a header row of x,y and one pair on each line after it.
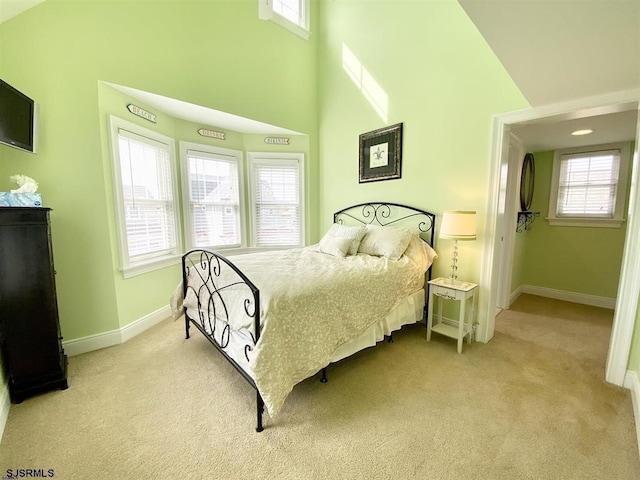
x,y
448,293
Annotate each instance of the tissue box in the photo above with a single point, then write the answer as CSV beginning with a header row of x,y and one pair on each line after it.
x,y
8,199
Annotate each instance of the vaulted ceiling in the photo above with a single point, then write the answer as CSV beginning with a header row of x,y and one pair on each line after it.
x,y
554,50
563,49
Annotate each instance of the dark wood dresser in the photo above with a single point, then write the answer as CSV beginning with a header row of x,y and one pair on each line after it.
x,y
30,340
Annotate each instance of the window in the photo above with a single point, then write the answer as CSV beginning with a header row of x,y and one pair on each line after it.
x,y
276,199
589,186
212,196
290,14
145,194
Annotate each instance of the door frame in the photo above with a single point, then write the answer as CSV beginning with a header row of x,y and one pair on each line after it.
x,y
492,267
512,163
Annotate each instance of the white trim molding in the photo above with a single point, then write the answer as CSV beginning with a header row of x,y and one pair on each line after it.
x,y
627,300
115,337
583,298
629,284
89,344
632,383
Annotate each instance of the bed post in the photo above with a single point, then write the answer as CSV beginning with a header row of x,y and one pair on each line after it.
x,y
184,293
259,410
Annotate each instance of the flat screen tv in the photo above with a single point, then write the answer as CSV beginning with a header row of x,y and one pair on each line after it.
x,y
18,118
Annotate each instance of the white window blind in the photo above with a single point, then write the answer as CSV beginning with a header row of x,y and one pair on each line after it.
x,y
214,200
588,184
277,209
292,10
147,196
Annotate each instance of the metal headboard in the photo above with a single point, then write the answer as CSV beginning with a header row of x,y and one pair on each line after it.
x,y
387,213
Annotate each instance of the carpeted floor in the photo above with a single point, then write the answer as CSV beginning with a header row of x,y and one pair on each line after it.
x,y
531,404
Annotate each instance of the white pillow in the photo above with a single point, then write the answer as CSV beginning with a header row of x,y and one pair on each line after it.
x,y
353,233
390,242
336,246
420,252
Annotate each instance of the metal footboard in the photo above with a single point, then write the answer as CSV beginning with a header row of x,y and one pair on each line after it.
x,y
224,298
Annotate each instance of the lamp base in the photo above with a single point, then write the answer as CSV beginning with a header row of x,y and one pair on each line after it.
x,y
454,263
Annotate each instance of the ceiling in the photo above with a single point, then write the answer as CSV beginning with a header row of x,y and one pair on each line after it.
x,y
561,51
202,115
555,51
551,134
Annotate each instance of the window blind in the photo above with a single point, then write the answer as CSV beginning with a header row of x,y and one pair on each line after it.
x,y
292,10
214,199
588,184
145,172
276,192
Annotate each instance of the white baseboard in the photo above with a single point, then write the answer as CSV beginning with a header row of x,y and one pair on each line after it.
x,y
632,382
115,337
583,298
88,344
514,295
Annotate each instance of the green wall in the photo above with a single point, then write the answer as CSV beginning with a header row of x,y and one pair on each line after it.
x,y
442,82
212,53
519,254
438,74
572,259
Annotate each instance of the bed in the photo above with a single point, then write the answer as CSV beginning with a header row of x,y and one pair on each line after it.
x,y
283,316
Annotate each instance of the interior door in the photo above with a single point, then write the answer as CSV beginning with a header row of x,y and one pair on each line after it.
x,y
513,163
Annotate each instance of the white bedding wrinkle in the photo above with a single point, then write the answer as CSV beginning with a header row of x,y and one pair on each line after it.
x,y
311,304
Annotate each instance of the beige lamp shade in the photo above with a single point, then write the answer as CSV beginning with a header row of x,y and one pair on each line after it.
x,y
458,225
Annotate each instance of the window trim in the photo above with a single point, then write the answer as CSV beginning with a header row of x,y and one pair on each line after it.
x,y
621,194
173,255
186,200
298,158
266,12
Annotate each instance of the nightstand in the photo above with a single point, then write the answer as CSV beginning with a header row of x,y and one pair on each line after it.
x,y
461,292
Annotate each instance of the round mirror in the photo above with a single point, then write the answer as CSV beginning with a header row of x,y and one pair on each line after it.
x,y
527,176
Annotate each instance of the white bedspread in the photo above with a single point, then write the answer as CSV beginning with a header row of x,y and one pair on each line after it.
x,y
311,304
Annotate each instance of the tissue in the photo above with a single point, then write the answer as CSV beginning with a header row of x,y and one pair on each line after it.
x,y
23,196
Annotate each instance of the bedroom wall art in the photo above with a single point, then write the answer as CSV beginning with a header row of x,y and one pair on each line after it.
x,y
381,154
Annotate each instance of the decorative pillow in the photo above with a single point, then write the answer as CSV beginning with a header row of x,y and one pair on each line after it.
x,y
420,252
353,233
387,242
336,246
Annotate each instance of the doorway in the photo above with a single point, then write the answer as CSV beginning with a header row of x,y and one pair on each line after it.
x,y
500,235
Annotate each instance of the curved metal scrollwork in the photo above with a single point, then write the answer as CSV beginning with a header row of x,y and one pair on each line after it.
x,y
221,293
387,213
525,219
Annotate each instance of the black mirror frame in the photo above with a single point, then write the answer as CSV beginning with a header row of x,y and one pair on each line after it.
x,y
527,182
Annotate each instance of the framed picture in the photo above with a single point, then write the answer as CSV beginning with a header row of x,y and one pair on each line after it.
x,y
381,154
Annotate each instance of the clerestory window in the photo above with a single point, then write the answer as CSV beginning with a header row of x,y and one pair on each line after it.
x,y
290,14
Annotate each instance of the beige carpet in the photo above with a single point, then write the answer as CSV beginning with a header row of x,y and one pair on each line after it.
x,y
531,404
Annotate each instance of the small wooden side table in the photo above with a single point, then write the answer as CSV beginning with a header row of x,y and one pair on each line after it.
x,y
458,291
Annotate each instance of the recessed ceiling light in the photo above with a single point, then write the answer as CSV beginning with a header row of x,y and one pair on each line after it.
x,y
586,131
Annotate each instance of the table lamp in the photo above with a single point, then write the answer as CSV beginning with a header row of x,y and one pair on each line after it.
x,y
457,225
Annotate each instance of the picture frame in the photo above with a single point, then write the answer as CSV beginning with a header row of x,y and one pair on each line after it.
x,y
381,154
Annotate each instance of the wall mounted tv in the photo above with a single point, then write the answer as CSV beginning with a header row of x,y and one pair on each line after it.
x,y
18,118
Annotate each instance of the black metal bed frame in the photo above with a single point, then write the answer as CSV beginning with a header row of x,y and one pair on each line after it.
x,y
213,303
